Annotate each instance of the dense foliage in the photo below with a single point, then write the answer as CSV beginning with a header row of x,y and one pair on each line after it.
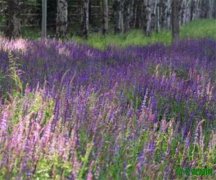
x,y
73,112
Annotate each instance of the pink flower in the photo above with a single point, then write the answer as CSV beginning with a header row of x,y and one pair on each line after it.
x,y
164,125
90,175
4,124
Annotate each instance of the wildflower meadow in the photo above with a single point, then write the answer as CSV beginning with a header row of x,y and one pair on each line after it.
x,y
71,111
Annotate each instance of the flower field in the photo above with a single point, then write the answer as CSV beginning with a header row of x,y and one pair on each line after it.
x,y
69,111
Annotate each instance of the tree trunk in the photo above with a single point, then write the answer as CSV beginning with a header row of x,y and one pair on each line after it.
x,y
184,11
138,14
13,19
134,18
195,9
148,16
158,13
105,16
85,19
175,19
164,14
132,7
210,9
214,7
204,8
118,16
62,18
154,12
186,15
169,11
128,13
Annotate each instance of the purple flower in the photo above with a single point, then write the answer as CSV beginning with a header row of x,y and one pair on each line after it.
x,y
4,123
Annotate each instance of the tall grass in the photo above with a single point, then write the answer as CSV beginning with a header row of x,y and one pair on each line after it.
x,y
11,84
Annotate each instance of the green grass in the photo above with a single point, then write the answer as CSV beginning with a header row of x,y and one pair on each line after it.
x,y
97,40
32,33
134,37
205,28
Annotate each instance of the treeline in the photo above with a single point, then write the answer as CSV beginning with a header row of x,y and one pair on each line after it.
x,y
112,15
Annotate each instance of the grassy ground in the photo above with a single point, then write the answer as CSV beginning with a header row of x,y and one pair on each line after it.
x,y
196,29
199,29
